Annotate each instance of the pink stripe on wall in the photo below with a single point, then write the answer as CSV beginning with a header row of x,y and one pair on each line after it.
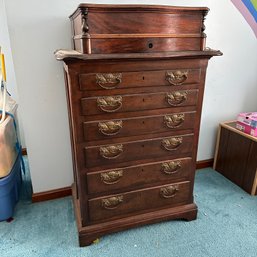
x,y
247,15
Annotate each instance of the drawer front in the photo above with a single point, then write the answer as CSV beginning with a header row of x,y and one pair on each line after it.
x,y
111,207
144,45
108,81
138,150
139,176
135,102
137,126
145,22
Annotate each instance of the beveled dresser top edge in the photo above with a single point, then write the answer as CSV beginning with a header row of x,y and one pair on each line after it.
x,y
137,8
62,55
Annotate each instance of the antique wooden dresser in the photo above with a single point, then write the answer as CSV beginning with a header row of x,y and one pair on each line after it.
x,y
135,82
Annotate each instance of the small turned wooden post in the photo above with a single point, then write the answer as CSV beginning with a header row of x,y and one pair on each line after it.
x,y
203,44
85,44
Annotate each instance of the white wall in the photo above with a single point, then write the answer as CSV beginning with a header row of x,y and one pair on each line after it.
x,y
6,49
39,27
5,44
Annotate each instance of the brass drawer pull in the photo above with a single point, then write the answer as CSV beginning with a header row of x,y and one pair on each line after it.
x,y
169,191
109,103
112,202
110,128
174,120
108,80
171,167
111,151
111,177
176,98
177,77
172,143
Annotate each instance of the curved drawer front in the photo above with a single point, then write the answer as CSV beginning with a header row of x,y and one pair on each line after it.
x,y
138,102
137,126
144,45
133,22
138,176
138,150
111,207
120,80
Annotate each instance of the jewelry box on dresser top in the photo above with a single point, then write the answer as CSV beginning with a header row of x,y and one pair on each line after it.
x,y
134,83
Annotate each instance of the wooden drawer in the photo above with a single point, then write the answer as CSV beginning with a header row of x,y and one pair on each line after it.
x,y
135,102
138,176
138,150
142,45
134,22
111,207
95,130
120,80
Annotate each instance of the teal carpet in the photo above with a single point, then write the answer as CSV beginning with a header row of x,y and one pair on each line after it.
x,y
226,226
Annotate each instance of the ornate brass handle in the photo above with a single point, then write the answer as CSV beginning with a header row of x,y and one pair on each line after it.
x,y
169,191
110,128
171,167
176,98
108,80
111,151
111,177
112,202
174,120
109,103
172,143
177,77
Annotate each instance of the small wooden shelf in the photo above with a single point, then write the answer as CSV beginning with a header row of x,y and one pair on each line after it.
x,y
236,156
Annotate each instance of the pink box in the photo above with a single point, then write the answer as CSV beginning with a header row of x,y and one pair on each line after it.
x,y
247,122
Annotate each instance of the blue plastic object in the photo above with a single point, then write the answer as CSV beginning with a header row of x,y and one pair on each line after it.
x,y
10,190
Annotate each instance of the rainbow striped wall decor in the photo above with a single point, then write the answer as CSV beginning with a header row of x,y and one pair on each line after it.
x,y
248,9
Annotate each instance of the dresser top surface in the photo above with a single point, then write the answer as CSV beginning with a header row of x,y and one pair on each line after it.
x,y
63,55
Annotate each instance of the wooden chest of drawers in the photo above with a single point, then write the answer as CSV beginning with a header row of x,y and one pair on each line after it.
x,y
134,122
